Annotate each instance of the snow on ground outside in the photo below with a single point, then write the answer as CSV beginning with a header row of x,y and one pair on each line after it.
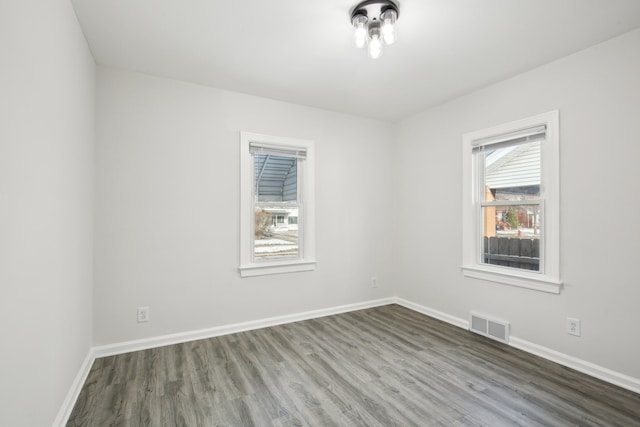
x,y
271,242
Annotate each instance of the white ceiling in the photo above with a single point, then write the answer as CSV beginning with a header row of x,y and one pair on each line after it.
x,y
301,50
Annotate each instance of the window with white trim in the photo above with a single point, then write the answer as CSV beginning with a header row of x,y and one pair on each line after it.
x,y
511,203
277,218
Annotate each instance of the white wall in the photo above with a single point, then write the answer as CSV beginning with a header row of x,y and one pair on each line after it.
x,y
47,79
598,94
167,203
167,200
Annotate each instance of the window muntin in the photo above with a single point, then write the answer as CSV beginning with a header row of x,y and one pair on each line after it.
x,y
277,233
523,208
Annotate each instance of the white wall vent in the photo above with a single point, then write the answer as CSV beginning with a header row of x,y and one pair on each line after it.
x,y
489,327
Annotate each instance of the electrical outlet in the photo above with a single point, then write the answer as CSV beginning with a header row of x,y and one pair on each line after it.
x,y
573,326
144,314
374,282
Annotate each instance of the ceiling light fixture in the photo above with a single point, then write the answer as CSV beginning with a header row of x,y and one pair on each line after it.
x,y
374,25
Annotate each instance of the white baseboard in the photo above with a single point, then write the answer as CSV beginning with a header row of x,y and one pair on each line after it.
x,y
128,346
143,344
605,374
613,377
456,321
622,380
74,390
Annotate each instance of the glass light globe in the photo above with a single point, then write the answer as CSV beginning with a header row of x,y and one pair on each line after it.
x,y
359,30
388,30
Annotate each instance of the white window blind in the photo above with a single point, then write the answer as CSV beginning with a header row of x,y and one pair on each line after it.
x,y
277,150
536,133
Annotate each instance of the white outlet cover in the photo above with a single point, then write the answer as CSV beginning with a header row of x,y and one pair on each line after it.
x,y
573,326
143,314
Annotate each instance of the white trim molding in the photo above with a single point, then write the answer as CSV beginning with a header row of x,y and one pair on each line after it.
x,y
453,320
216,331
608,375
514,278
596,371
74,391
128,346
600,372
277,268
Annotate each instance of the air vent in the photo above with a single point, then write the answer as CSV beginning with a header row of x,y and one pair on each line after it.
x,y
489,327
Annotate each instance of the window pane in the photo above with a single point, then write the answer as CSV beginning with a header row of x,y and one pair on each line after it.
x,y
511,236
275,178
512,173
275,236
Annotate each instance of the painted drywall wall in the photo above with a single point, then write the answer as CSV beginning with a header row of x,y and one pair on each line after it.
x,y
598,94
167,208
47,82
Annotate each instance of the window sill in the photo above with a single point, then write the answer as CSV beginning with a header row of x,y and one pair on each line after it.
x,y
262,269
533,281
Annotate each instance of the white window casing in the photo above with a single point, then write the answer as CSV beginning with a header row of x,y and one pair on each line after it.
x,y
545,126
303,151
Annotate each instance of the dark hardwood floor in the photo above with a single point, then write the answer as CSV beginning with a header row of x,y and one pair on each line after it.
x,y
386,366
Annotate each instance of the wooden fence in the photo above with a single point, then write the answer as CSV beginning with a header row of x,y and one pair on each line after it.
x,y
512,252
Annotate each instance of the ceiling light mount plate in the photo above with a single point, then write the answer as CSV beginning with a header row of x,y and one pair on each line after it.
x,y
374,8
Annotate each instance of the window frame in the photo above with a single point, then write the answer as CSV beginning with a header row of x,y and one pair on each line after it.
x,y
306,240
547,279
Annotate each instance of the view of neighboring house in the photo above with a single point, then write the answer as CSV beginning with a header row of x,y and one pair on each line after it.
x,y
512,174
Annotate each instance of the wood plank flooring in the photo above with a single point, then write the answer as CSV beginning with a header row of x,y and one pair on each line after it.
x,y
385,366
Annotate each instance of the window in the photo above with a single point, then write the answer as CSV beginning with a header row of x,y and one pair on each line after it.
x,y
511,203
277,221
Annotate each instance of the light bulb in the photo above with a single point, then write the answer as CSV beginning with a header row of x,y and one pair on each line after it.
x,y
375,47
388,30
375,43
359,30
